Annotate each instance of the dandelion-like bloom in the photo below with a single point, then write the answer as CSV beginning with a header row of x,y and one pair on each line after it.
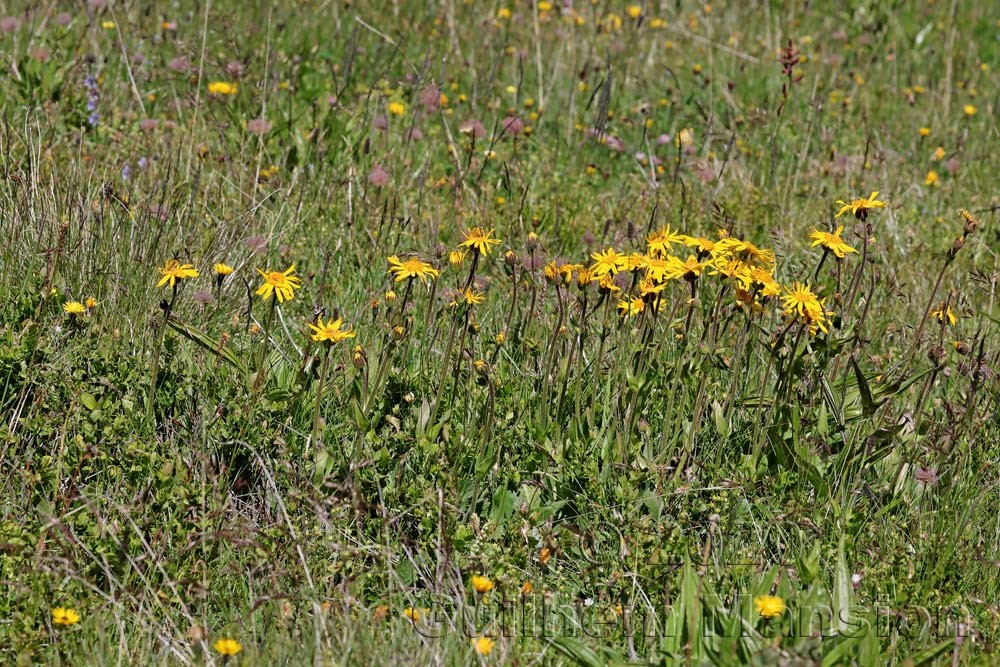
x,y
944,313
800,299
703,245
412,614
831,242
931,178
330,332
222,269
745,251
483,645
65,616
689,269
769,606
173,271
630,307
220,88
396,108
468,296
859,207
281,283
74,308
227,647
90,303
969,109
800,302
411,268
660,242
608,262
479,239
482,584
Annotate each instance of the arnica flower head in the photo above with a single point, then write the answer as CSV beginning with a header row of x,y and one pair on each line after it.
x,y
412,614
222,269
74,308
220,88
831,242
173,271
859,207
483,645
280,283
482,584
769,606
65,616
411,268
660,242
330,332
227,647
90,302
479,239
630,307
689,269
468,296
608,262
801,303
945,313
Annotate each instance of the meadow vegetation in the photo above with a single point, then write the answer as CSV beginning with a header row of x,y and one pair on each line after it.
x,y
499,333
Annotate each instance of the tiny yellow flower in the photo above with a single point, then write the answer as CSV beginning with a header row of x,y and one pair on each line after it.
x,y
65,616
544,6
503,13
330,332
412,614
74,308
945,313
479,239
411,268
527,588
769,606
90,302
222,269
931,178
483,645
108,25
482,584
924,131
969,110
173,271
222,88
281,283
634,11
227,647
397,108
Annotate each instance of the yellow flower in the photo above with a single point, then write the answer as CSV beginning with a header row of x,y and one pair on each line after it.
x,y
90,302
544,6
629,307
173,271
943,313
397,108
108,25
469,296
503,13
769,606
931,178
74,308
937,154
860,207
527,588
608,262
330,332
482,584
412,614
501,338
222,88
411,268
483,645
222,269
800,302
969,110
704,246
925,131
65,616
456,258
689,269
799,298
634,11
227,647
660,242
282,284
832,242
479,239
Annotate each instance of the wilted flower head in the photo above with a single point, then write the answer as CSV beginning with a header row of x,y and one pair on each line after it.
x,y
258,126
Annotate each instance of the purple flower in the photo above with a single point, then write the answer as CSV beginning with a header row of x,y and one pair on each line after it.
x,y
143,162
126,172
9,24
378,176
258,126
